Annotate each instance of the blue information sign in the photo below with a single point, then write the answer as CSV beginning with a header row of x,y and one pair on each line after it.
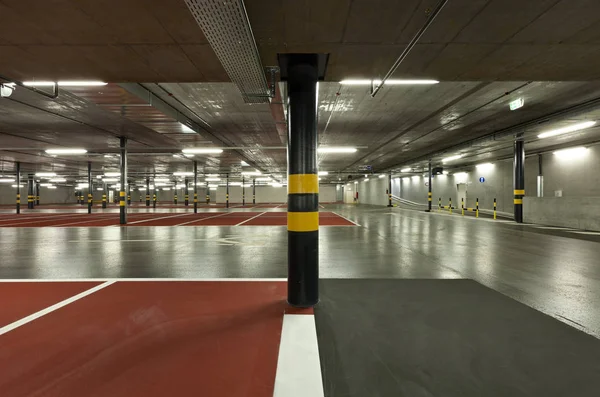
x,y
482,179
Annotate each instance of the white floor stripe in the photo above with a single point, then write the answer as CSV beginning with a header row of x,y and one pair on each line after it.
x,y
52,308
248,220
298,365
199,220
345,218
589,233
155,219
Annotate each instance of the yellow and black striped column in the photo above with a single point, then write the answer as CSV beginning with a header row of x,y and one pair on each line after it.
x,y
123,169
195,187
430,193
253,191
90,188
175,197
519,179
187,192
303,181
243,191
147,192
103,199
18,207
37,193
81,197
207,194
227,191
154,198
30,195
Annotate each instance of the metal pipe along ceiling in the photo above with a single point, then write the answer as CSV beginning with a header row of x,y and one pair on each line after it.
x,y
227,28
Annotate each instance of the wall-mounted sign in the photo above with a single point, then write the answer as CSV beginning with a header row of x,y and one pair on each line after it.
x,y
427,183
482,179
516,104
365,168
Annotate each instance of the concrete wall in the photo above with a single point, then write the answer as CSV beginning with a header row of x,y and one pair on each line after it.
x,y
575,212
270,194
60,195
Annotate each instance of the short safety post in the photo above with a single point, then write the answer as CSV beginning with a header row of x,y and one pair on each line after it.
x,y
175,196
462,206
477,207
494,208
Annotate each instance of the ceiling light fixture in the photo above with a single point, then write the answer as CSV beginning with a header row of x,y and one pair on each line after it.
x,y
566,130
212,179
388,82
64,83
183,174
263,179
7,180
322,173
336,149
244,164
46,174
112,174
57,180
202,151
382,176
186,130
275,184
66,151
571,153
406,170
451,158
50,187
250,173
110,180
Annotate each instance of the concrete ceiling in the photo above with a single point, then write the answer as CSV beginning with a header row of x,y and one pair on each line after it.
x,y
164,73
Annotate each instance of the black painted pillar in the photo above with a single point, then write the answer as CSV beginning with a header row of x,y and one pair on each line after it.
x,y
18,187
243,191
430,194
207,194
154,196
253,191
519,179
187,192
37,193
195,187
30,196
104,193
123,169
390,189
147,192
128,192
303,181
227,191
90,188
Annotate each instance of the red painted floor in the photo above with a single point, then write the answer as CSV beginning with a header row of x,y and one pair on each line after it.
x,y
177,338
233,218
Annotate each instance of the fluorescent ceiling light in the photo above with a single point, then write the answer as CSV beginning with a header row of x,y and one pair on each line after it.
x,y
235,183
64,83
336,149
189,155
186,130
162,180
571,153
111,180
98,176
323,173
212,175
366,179
416,177
275,184
250,173
7,181
57,180
66,151
212,188
46,174
566,130
445,172
16,185
212,179
166,188
213,185
202,151
100,189
45,184
51,187
183,173
451,158
243,163
460,175
382,176
484,165
406,170
263,179
388,82
319,178
112,174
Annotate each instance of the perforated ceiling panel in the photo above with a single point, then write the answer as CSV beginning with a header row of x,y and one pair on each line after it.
x,y
225,24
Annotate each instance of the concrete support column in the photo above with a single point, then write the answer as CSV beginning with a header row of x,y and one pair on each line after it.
x,y
90,188
187,192
519,179
195,187
104,195
128,192
147,192
390,189
243,191
227,191
123,169
30,196
540,178
303,181
18,208
37,193
207,194
154,196
430,194
253,191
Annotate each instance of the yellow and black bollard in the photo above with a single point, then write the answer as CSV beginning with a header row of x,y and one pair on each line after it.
x,y
477,207
18,207
104,201
154,200
227,192
30,192
253,191
303,183
187,192
429,199
450,204
175,198
519,179
462,206
147,192
494,208
123,169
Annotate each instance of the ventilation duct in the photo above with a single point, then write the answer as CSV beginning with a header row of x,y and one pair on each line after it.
x,y
227,28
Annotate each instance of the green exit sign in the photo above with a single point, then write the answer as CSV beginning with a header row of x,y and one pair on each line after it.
x,y
516,104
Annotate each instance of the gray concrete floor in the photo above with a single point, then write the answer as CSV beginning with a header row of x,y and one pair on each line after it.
x,y
558,275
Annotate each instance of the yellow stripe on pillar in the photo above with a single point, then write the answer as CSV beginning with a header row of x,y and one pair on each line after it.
x,y
520,192
518,201
303,183
303,221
